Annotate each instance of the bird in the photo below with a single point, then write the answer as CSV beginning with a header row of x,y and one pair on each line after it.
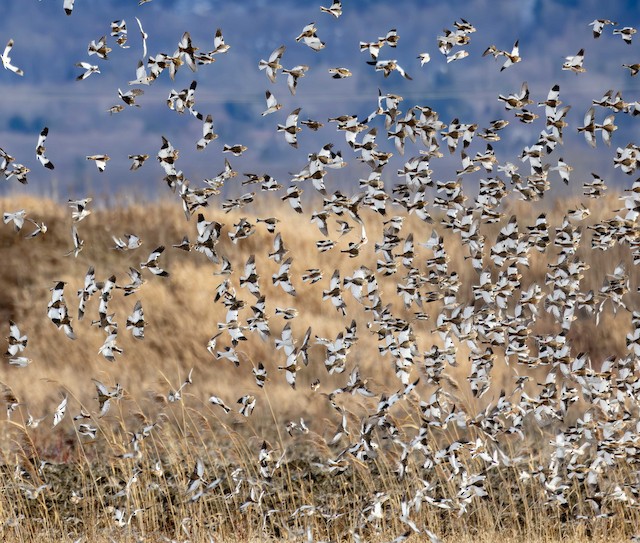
x,y
40,149
589,127
293,74
574,63
99,48
607,128
208,135
388,66
138,161
424,58
186,52
78,244
130,242
458,55
57,310
16,217
6,59
625,33
67,5
17,342
308,35
513,57
219,46
340,73
598,25
60,412
235,150
130,96
291,128
136,322
89,69
152,262
144,36
272,104
334,293
283,279
293,197
100,161
334,9
272,66
80,208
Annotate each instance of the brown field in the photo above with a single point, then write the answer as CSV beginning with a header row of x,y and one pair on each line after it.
x,y
296,495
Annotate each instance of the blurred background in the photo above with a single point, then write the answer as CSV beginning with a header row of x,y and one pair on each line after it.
x,y
48,44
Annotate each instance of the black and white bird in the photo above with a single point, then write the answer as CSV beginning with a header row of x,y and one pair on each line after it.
x,y
6,59
89,69
17,342
272,66
309,37
78,244
272,104
40,149
291,128
136,322
100,161
208,135
293,75
334,9
130,242
152,263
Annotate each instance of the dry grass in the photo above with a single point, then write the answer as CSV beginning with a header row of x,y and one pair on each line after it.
x,y
182,316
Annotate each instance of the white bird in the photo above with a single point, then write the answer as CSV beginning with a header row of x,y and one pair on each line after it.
x,y
136,322
388,66
334,9
272,104
574,63
60,412
291,128
144,39
152,263
100,160
208,135
308,35
99,48
78,243
6,59
272,66
293,75
138,161
17,341
88,70
130,242
424,58
17,217
40,149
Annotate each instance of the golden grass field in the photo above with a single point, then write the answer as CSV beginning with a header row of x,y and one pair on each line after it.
x,y
90,481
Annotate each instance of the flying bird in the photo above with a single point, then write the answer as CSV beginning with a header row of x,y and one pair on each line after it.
x,y
6,59
88,70
272,104
40,149
291,128
334,9
272,66
152,263
100,161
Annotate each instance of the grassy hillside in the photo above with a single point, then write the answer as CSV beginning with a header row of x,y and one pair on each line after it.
x,y
302,462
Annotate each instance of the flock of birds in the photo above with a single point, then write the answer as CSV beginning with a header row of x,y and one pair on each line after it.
x,y
495,327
